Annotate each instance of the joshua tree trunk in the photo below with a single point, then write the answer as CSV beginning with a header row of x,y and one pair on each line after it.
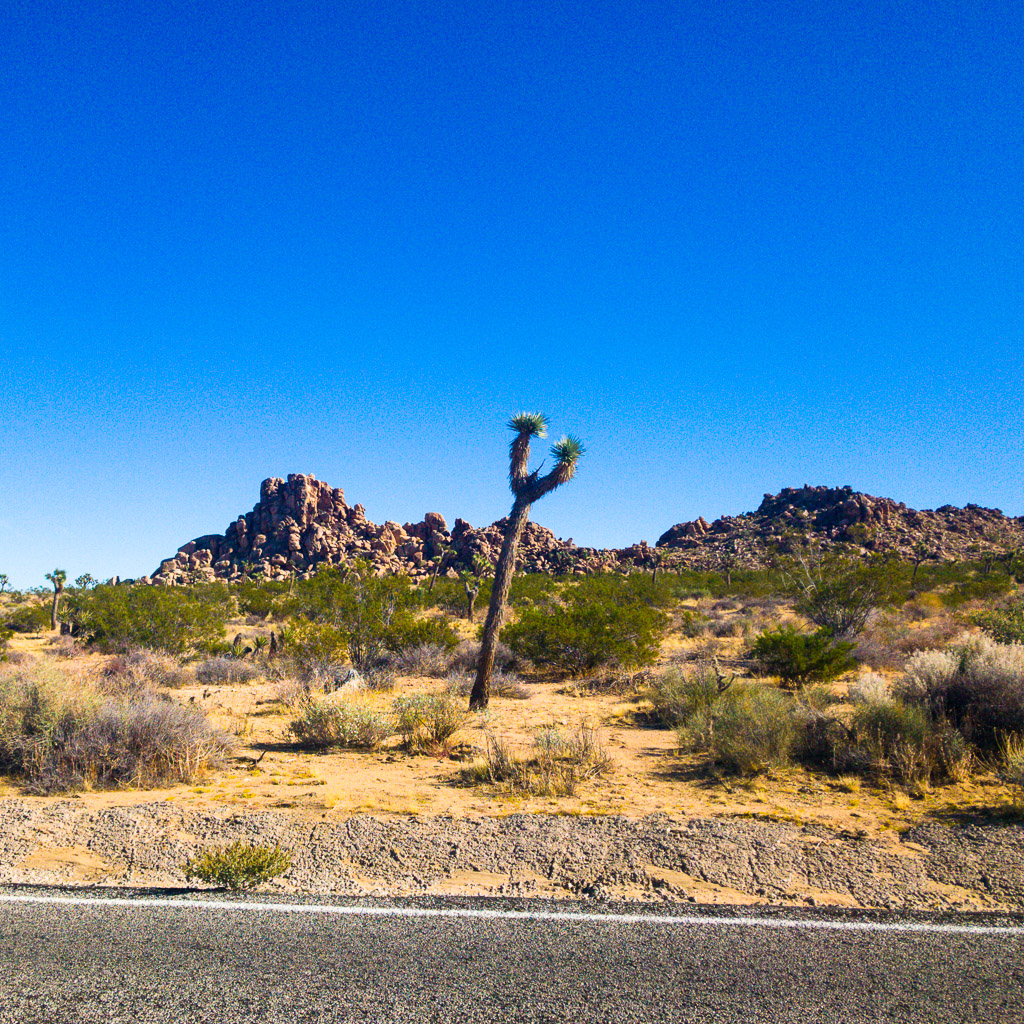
x,y
503,575
527,488
57,578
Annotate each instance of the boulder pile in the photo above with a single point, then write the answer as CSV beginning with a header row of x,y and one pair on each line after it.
x,y
302,523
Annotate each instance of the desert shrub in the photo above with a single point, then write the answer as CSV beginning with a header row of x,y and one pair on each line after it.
x,y
427,721
580,637
225,670
315,647
33,617
176,620
422,660
238,866
887,640
978,685
57,740
893,739
466,656
691,623
139,670
558,763
868,688
321,725
1004,625
745,730
5,639
676,695
430,631
503,684
798,658
259,600
836,592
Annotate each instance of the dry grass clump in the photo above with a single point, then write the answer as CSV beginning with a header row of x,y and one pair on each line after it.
x,y
221,670
428,721
140,670
743,730
422,660
558,763
58,735
322,724
503,684
465,657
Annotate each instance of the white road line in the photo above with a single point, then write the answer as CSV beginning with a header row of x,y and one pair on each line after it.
x,y
691,921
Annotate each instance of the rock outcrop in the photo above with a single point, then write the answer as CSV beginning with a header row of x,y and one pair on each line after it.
x,y
301,523
834,516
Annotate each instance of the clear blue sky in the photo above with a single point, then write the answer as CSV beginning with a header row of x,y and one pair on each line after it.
x,y
734,246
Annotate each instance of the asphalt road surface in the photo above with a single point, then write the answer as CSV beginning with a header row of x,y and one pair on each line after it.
x,y
110,956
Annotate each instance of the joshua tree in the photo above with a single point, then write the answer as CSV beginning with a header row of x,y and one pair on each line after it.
x,y
58,578
445,553
527,487
472,581
3,582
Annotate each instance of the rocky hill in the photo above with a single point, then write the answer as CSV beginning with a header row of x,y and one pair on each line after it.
x,y
834,516
301,523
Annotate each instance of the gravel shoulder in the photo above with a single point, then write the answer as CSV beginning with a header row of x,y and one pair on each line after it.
x,y
656,858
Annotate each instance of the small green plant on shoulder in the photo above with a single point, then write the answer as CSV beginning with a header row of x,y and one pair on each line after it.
x,y
798,658
238,866
1011,769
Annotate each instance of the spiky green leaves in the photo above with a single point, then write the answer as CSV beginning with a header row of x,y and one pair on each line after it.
x,y
532,424
568,450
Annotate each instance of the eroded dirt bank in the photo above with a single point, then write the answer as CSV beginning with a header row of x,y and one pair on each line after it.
x,y
727,860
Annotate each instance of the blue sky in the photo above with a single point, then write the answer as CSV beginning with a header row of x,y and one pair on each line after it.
x,y
733,246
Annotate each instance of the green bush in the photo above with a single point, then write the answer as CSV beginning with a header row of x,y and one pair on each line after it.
x,y
584,636
5,639
408,633
315,646
176,620
321,725
238,866
744,730
1004,625
799,658
33,617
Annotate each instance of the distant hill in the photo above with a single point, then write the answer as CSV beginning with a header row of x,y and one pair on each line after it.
x,y
831,516
301,523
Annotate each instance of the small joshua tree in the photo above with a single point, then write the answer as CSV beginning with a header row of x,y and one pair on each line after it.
x,y
58,578
527,488
473,580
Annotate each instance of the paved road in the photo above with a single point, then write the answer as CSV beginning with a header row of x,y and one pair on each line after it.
x,y
460,960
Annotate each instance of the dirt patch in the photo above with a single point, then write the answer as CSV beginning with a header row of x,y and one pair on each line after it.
x,y
723,860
